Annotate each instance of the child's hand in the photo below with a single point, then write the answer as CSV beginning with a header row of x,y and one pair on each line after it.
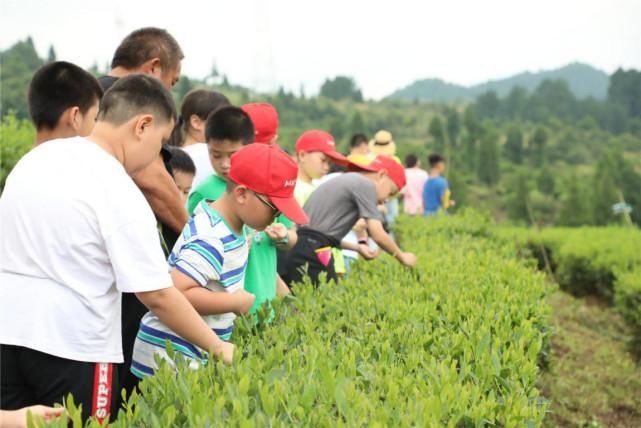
x,y
276,231
244,301
225,352
366,252
407,259
18,418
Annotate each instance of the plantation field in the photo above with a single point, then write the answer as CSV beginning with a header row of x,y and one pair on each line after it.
x,y
455,343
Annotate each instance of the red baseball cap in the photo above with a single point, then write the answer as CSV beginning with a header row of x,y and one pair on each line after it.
x,y
393,169
268,170
320,141
265,119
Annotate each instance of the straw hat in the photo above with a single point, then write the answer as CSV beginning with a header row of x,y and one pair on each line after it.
x,y
383,144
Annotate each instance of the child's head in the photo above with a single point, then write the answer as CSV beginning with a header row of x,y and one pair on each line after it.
x,y
389,176
63,100
437,163
184,170
261,184
358,145
412,161
314,150
150,51
227,130
265,119
196,107
136,114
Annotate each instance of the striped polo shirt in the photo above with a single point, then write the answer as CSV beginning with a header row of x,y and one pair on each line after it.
x,y
210,253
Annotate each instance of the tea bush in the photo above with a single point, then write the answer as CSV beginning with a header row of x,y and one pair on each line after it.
x,y
455,342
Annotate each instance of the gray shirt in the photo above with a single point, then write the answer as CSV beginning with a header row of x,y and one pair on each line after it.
x,y
336,205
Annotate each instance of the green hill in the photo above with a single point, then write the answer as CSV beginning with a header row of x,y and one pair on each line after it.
x,y
584,81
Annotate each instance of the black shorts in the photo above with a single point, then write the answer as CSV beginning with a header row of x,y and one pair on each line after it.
x,y
311,255
29,377
132,312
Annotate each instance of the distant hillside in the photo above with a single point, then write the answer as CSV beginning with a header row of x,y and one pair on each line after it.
x,y
584,81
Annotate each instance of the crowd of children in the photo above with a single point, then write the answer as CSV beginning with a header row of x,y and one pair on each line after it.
x,y
128,225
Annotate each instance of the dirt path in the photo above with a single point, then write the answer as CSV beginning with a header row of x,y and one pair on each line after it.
x,y
593,380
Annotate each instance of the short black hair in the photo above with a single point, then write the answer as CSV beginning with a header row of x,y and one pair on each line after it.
x,y
199,102
147,43
357,140
411,160
434,159
133,95
181,161
57,86
229,123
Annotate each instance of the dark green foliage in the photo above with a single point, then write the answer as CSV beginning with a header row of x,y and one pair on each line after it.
x,y
513,148
488,161
18,65
341,87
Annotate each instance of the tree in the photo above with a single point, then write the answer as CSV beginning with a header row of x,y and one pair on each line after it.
x,y
19,62
437,132
357,124
513,148
182,88
453,123
537,146
341,87
488,105
575,204
545,181
604,190
553,98
51,56
515,105
517,203
625,91
488,167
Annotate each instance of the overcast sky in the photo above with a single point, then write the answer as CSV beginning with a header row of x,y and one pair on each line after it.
x,y
384,45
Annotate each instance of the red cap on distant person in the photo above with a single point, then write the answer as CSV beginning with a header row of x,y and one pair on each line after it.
x,y
393,169
265,119
268,170
320,141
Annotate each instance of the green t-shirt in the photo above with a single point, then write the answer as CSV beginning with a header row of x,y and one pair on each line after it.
x,y
211,188
260,275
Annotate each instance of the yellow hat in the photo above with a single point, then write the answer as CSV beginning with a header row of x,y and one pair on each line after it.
x,y
383,144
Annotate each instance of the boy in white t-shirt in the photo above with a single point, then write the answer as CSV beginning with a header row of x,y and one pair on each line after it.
x,y
76,232
209,259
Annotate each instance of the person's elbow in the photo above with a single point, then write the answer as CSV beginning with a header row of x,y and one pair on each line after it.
x,y
157,299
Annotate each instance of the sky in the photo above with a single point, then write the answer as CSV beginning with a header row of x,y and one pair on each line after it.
x,y
383,45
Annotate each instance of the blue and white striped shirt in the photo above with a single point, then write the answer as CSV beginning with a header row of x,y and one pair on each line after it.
x,y
215,257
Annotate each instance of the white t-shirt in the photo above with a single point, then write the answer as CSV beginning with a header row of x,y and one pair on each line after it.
x,y
199,153
75,232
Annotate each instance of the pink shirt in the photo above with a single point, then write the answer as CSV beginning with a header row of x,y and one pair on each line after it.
x,y
413,191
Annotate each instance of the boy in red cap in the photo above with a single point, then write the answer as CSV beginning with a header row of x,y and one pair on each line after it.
x,y
315,149
333,210
209,259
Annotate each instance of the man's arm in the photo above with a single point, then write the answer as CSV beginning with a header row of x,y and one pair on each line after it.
x,y
162,194
378,234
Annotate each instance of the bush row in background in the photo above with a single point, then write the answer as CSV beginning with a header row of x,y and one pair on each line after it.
x,y
601,261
